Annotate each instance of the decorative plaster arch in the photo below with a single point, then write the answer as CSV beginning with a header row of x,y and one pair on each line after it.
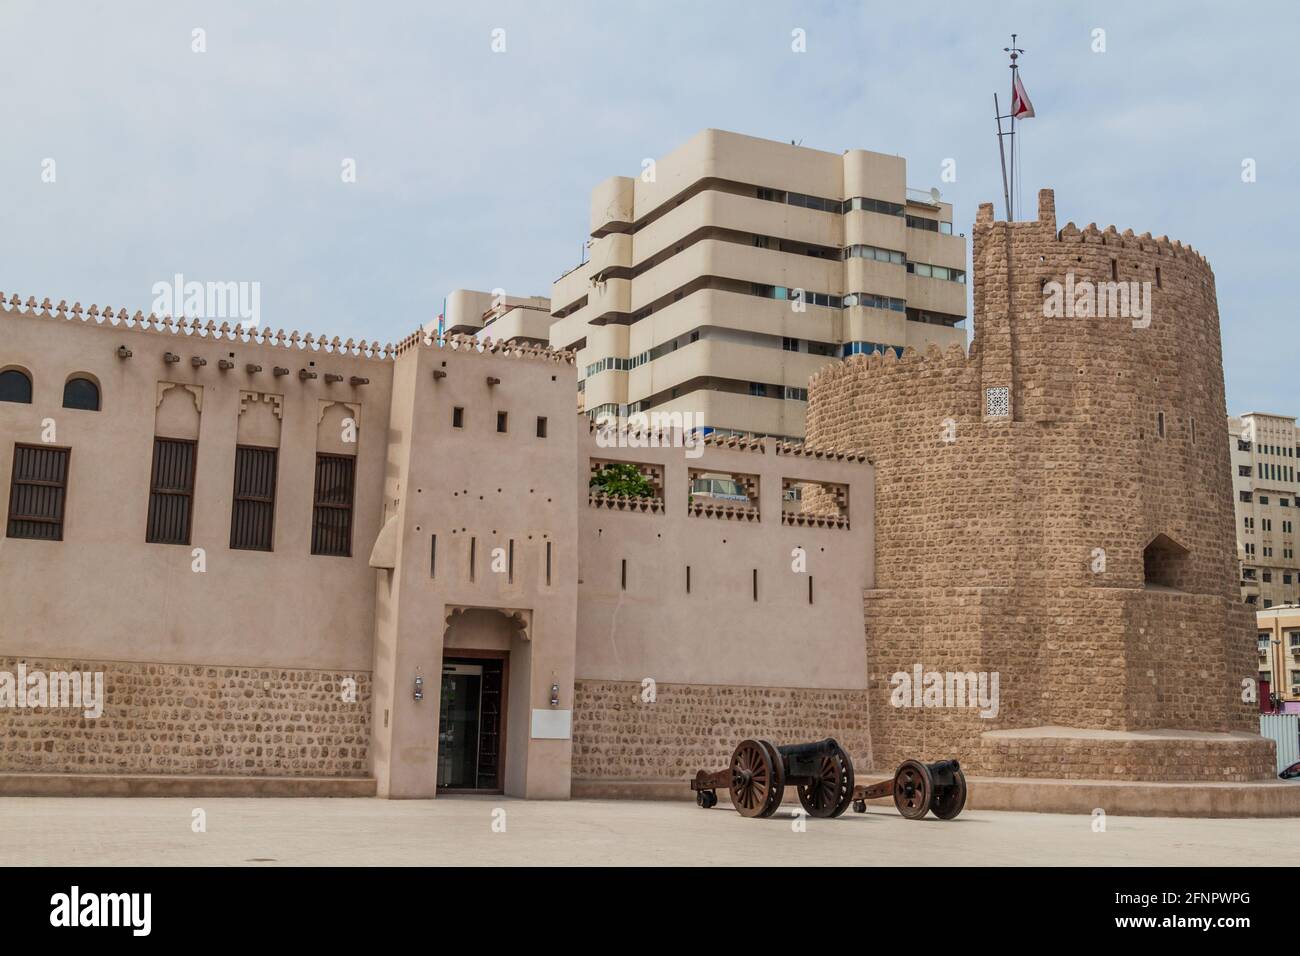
x,y
520,618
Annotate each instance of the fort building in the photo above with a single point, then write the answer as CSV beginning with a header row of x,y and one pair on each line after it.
x,y
388,567
723,275
298,557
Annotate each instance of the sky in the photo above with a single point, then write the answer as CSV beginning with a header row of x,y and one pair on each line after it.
x,y
474,166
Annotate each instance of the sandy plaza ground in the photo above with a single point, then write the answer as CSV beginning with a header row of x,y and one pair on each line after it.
x,y
484,831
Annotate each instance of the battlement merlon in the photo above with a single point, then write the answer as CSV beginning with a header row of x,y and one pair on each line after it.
x,y
1046,210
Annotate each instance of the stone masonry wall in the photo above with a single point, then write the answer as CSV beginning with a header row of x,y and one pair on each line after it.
x,y
194,719
617,736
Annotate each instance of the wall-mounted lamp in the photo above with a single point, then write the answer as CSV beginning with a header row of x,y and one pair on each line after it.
x,y
555,695
419,688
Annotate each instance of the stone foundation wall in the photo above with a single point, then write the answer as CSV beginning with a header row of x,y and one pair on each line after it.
x,y
617,736
1203,761
193,719
1114,659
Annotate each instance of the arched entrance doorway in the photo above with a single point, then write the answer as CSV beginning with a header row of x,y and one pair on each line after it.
x,y
483,701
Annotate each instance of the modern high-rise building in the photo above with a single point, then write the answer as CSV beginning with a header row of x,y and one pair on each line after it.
x,y
726,273
1266,492
495,315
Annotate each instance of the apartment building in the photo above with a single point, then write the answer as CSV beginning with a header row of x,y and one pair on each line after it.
x,y
1278,630
729,271
495,315
1266,494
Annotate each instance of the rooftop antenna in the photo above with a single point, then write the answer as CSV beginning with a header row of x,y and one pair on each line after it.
x,y
1008,182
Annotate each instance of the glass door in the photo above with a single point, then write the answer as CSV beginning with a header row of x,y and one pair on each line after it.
x,y
459,713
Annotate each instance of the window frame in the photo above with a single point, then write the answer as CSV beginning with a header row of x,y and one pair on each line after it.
x,y
236,498
317,505
149,533
31,385
61,496
83,377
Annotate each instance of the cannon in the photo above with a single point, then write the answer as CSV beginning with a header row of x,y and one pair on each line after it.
x,y
918,788
823,776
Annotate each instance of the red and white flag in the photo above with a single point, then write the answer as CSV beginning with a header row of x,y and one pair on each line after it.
x,y
1021,108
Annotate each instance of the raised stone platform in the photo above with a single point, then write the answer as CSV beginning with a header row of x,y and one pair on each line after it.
x,y
1266,798
155,785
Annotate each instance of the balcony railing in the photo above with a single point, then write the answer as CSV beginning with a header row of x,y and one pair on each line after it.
x,y
927,197
626,503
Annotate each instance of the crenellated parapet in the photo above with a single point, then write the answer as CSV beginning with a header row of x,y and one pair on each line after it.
x,y
913,361
471,345
180,325
1112,238
292,340
629,435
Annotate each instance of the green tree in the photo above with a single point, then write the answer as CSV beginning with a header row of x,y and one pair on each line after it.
x,y
622,479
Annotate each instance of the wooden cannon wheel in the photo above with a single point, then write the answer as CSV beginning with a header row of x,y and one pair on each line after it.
x,y
778,786
914,788
948,801
830,792
757,779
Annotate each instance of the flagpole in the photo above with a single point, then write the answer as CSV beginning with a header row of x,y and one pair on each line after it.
x,y
1011,216
1002,154
1015,52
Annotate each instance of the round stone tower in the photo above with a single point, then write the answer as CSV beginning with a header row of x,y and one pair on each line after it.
x,y
1054,518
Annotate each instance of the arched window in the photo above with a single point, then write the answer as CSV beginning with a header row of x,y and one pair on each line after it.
x,y
15,386
81,392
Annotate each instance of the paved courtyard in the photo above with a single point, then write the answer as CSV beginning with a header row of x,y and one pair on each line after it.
x,y
310,832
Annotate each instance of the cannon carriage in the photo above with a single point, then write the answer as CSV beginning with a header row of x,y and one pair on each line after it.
x,y
822,774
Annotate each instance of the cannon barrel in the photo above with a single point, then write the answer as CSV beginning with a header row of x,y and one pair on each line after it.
x,y
944,772
816,749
